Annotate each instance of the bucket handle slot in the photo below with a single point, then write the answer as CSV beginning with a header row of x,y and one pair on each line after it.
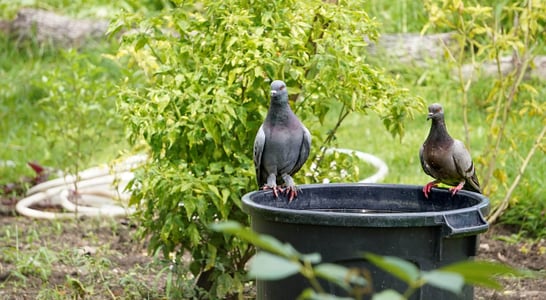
x,y
463,224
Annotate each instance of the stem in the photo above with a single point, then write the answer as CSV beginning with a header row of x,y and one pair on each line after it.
x,y
316,19
76,171
464,86
244,258
522,62
412,288
331,135
155,54
342,115
499,210
309,273
498,105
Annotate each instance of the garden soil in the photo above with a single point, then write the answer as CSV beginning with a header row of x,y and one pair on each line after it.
x,y
124,270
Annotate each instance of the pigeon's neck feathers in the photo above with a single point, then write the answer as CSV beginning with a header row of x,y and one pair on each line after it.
x,y
279,113
438,132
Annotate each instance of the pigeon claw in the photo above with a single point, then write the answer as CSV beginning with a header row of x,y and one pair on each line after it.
x,y
291,192
275,190
457,188
428,187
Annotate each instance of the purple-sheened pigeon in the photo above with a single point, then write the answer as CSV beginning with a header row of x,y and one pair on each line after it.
x,y
446,159
282,144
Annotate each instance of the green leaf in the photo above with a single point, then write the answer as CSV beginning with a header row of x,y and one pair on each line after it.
x,y
388,295
313,258
211,126
224,284
141,42
269,243
482,273
310,294
267,266
398,267
262,241
448,281
340,275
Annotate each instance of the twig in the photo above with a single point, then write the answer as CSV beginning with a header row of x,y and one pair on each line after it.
x,y
522,62
464,86
342,115
308,272
499,210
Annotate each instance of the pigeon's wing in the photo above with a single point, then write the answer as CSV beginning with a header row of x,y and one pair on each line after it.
x,y
259,143
305,148
462,159
463,163
424,165
472,184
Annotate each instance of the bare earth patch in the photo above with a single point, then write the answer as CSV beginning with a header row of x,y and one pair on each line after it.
x,y
65,259
100,260
494,246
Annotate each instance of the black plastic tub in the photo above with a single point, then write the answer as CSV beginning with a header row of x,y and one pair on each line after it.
x,y
341,221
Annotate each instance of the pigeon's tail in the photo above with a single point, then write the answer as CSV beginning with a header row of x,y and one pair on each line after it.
x,y
472,184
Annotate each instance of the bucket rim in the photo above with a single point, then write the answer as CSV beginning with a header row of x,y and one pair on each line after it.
x,y
376,219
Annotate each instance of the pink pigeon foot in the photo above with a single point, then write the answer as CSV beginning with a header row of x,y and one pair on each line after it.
x,y
428,187
275,189
454,190
291,189
291,192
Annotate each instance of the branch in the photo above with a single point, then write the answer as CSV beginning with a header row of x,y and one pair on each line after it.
x,y
499,210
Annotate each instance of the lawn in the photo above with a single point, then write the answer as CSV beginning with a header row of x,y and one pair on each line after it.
x,y
59,108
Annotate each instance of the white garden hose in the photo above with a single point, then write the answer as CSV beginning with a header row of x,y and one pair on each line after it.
x,y
101,192
375,161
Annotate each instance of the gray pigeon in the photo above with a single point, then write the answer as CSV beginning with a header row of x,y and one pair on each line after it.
x,y
446,159
282,144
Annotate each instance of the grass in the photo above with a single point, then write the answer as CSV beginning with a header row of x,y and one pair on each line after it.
x,y
70,259
81,8
404,16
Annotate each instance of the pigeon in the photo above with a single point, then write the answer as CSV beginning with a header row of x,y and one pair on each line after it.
x,y
446,159
282,144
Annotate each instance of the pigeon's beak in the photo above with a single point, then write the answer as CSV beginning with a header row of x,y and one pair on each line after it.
x,y
429,116
273,93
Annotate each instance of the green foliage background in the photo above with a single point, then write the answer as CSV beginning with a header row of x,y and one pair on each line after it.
x,y
194,85
208,72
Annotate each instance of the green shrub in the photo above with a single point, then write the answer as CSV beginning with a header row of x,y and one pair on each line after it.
x,y
82,123
58,107
208,67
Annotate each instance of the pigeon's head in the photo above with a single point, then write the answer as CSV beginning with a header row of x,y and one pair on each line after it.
x,y
435,112
279,93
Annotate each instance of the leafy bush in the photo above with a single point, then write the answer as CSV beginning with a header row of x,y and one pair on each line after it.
x,y
58,107
208,66
80,116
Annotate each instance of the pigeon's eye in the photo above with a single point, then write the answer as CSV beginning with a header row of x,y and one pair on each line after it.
x,y
282,87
